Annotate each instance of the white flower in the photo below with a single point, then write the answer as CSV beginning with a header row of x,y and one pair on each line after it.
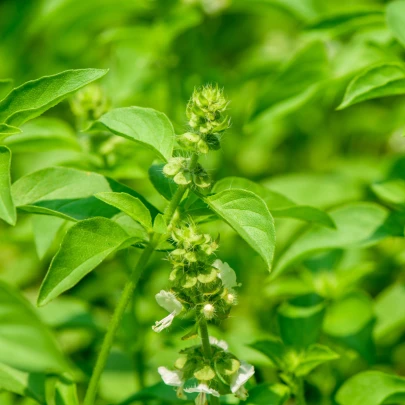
x,y
244,373
169,377
203,390
219,343
171,304
173,378
226,274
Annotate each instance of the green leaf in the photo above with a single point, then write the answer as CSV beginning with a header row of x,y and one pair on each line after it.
x,y
84,247
372,388
395,14
358,225
378,81
306,69
313,357
350,320
265,394
23,383
300,326
69,193
46,229
35,97
25,342
43,134
249,216
7,130
5,87
391,191
7,208
390,321
164,185
66,393
275,350
143,125
132,206
279,205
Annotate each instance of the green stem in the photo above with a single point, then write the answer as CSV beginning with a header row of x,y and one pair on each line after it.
x,y
300,397
127,294
206,346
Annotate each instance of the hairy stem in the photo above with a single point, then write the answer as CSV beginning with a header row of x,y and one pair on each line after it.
x,y
127,293
206,346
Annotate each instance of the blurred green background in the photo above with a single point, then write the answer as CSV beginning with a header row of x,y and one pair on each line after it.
x,y
285,65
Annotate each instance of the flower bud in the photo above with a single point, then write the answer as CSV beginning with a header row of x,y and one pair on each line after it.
x,y
208,311
173,166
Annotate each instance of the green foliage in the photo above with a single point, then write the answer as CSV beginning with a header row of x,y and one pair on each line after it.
x,y
249,216
35,97
91,241
220,138
144,125
7,208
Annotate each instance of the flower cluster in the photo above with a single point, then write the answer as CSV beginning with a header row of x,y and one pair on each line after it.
x,y
205,285
206,118
90,103
180,169
221,375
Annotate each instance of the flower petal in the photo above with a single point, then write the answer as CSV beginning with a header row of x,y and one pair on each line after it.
x,y
202,388
169,302
226,274
169,377
219,343
163,323
244,373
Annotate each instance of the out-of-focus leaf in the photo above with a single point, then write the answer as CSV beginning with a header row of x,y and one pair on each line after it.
x,y
46,230
249,216
43,134
347,20
265,394
164,185
132,206
66,393
143,125
395,14
357,225
307,68
275,350
279,205
69,193
378,81
22,383
5,87
350,320
372,388
390,318
159,391
300,326
84,247
391,191
7,209
313,357
25,342
35,97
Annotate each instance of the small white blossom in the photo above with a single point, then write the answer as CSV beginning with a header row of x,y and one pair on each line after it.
x,y
226,274
170,377
219,343
173,378
203,390
242,376
171,304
